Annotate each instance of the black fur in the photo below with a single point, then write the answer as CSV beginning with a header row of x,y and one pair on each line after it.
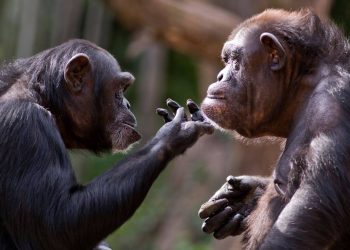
x,y
42,207
306,203
315,213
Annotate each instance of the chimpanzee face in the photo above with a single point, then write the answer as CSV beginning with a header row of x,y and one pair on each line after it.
x,y
120,121
248,88
98,109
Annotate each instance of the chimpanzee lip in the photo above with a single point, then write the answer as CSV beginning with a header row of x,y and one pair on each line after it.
x,y
129,124
217,97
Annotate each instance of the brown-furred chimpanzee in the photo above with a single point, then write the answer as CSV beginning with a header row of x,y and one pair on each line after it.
x,y
287,75
71,96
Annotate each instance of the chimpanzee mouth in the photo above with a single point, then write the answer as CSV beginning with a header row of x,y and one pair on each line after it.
x,y
216,97
129,124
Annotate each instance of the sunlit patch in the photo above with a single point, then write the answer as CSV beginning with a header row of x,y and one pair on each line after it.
x,y
238,40
264,140
322,149
124,151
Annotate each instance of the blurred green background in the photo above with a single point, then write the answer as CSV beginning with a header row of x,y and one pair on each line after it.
x,y
173,48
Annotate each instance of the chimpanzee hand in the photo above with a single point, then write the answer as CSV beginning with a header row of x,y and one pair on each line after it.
x,y
196,113
226,210
179,133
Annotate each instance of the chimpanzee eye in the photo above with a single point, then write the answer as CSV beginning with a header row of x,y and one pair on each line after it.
x,y
236,65
225,59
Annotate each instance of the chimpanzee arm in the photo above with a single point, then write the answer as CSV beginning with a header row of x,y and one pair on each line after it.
x,y
42,205
314,216
305,223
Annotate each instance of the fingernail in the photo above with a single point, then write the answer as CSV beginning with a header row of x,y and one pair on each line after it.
x,y
229,209
230,179
225,202
218,236
204,228
160,112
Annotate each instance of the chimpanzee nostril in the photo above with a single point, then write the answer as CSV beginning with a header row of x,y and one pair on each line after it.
x,y
220,76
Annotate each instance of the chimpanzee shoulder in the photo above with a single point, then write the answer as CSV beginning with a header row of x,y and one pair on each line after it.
x,y
30,130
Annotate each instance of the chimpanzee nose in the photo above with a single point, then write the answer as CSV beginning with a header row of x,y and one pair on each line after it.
x,y
220,76
224,75
126,103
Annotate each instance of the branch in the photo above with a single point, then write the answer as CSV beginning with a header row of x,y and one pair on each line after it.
x,y
192,27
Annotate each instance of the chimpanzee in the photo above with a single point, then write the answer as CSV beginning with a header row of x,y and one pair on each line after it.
x,y
287,75
71,96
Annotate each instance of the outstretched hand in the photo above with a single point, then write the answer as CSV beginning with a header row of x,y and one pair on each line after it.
x,y
196,113
179,132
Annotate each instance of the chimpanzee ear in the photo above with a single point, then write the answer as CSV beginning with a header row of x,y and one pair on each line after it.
x,y
76,71
277,54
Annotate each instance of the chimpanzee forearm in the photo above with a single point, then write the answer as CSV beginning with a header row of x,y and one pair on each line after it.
x,y
118,192
121,190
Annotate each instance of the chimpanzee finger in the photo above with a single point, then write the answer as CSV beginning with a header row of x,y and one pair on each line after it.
x,y
211,207
234,182
214,223
174,106
233,227
180,115
239,184
165,114
192,106
204,128
227,191
196,114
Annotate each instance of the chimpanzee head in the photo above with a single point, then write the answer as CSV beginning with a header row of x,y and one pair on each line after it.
x,y
88,103
254,91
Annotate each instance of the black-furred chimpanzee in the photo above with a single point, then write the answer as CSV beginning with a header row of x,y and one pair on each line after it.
x,y
71,96
287,75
